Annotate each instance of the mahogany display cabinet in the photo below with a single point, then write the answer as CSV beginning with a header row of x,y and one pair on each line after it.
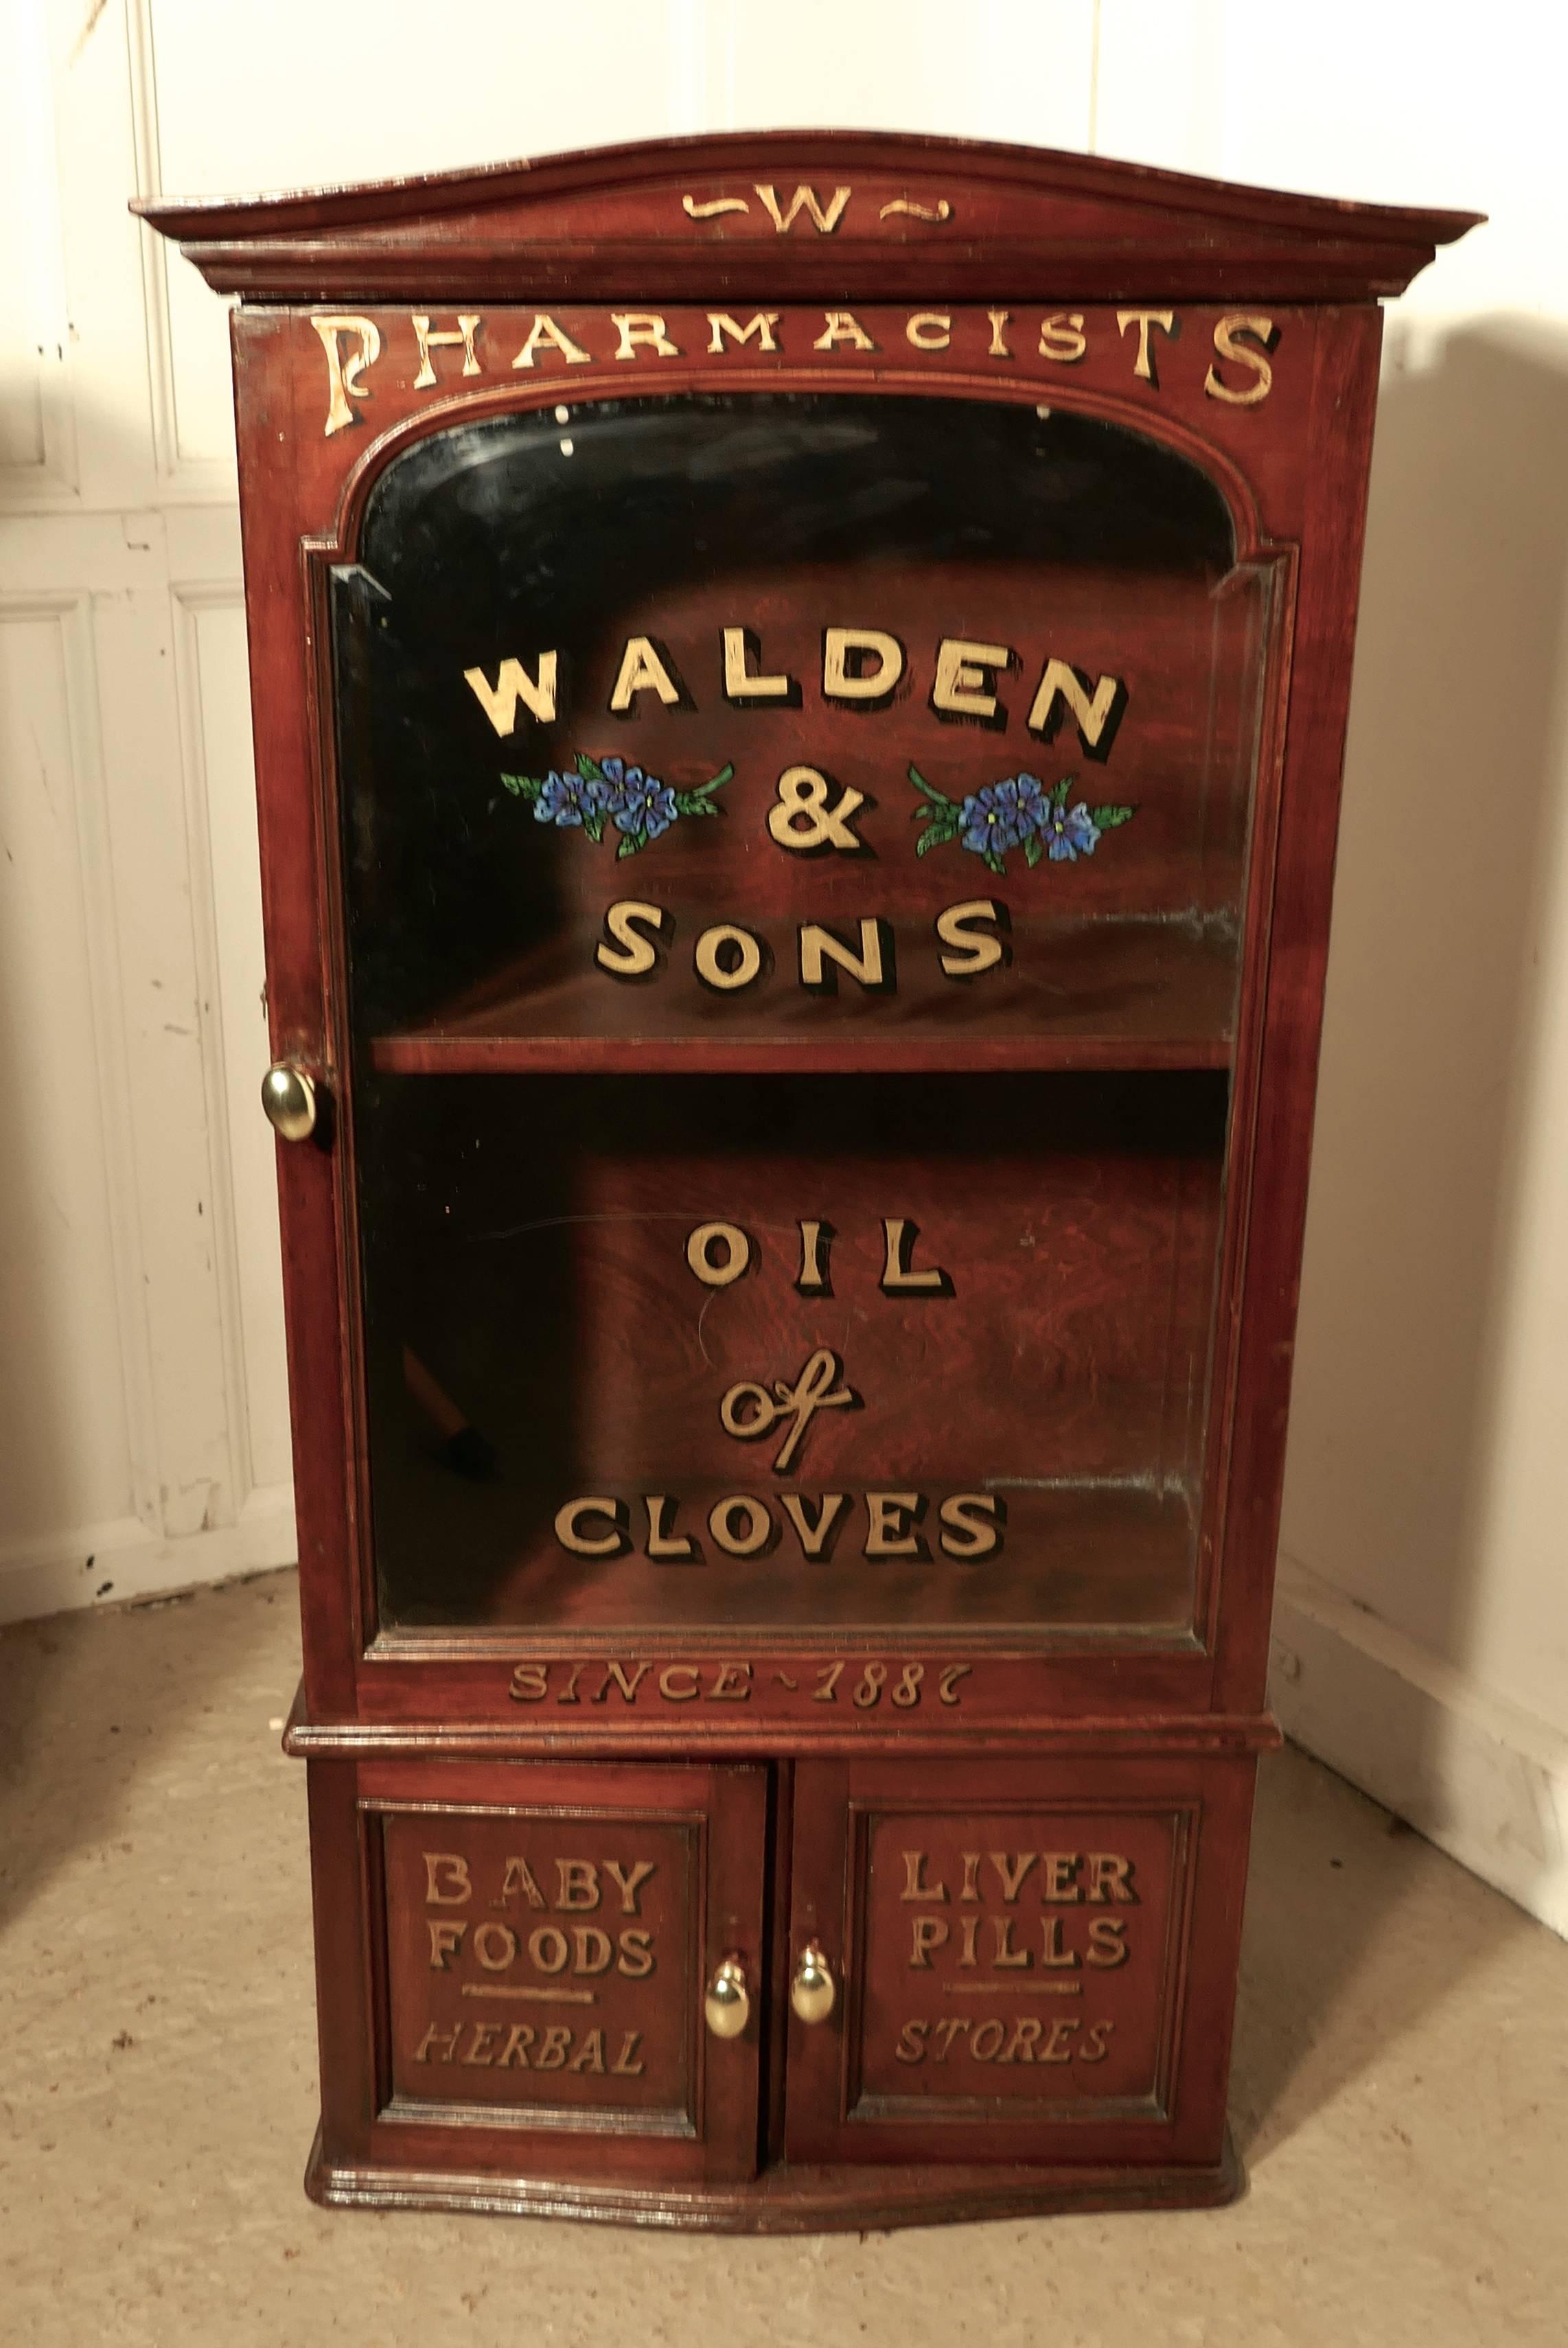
x,y
800,685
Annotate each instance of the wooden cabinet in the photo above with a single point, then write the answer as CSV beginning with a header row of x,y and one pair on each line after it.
x,y
800,685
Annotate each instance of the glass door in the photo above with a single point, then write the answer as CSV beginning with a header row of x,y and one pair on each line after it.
x,y
794,855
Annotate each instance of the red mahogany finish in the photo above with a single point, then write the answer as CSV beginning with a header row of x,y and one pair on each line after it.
x,y
800,685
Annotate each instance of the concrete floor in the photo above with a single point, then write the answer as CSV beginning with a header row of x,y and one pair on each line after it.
x,y
1399,2089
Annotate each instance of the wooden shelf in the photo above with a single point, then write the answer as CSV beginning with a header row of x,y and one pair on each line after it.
x,y
1091,996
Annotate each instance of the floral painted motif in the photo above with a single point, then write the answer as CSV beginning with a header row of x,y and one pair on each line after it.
x,y
600,791
1018,812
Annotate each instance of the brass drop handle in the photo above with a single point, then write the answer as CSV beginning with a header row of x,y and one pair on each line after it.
x,y
288,1096
812,1991
726,2008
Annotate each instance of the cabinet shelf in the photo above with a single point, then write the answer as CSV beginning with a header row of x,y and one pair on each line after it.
x,y
1111,995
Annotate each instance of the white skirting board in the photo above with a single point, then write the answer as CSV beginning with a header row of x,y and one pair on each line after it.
x,y
104,1565
1485,1781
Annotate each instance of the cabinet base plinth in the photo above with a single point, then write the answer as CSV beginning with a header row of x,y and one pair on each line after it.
x,y
844,2198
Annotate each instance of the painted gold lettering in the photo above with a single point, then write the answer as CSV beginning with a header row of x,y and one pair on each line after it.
x,y
446,1939
592,1951
927,1933
552,2047
890,1518
911,2047
823,954
970,1528
576,1883
1096,711
1011,1872
1062,337
642,330
519,1876
646,668
898,1276
548,1949
570,1534
843,326
447,1880
513,683
761,324
529,1683
634,1952
1110,1877
590,2056
431,338
741,1525
1143,366
1108,1942
495,1945
915,1886
662,1541
625,2066
683,1673
929,330
439,2046
346,377
802,820
1058,1876
1227,344
814,1538
825,218
848,673
544,333
728,958
629,1880
732,1683
962,689
626,953
744,682
699,1254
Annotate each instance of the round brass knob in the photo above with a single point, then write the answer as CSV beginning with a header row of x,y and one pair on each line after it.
x,y
726,2008
288,1096
811,1993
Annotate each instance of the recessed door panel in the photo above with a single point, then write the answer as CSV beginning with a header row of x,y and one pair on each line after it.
x,y
547,1938
1011,1949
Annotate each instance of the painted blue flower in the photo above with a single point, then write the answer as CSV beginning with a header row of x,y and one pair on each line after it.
x,y
988,822
1003,815
639,803
1069,833
570,799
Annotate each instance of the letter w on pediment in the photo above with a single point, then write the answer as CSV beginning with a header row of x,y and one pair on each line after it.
x,y
804,199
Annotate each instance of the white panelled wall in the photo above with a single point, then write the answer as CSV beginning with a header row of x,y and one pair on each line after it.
x,y
1422,1631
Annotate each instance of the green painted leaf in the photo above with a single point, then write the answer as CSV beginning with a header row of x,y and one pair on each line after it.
x,y
587,767
929,839
630,843
938,798
524,787
593,825
1034,848
1108,817
991,859
715,784
694,803
1059,796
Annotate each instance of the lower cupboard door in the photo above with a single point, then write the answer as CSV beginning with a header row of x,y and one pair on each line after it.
x,y
1031,1962
539,1942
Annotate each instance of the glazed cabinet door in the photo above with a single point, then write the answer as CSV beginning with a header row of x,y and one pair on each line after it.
x,y
1030,1962
560,1968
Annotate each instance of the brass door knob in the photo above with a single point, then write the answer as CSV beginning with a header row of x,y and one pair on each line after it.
x,y
288,1098
726,2008
811,1993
